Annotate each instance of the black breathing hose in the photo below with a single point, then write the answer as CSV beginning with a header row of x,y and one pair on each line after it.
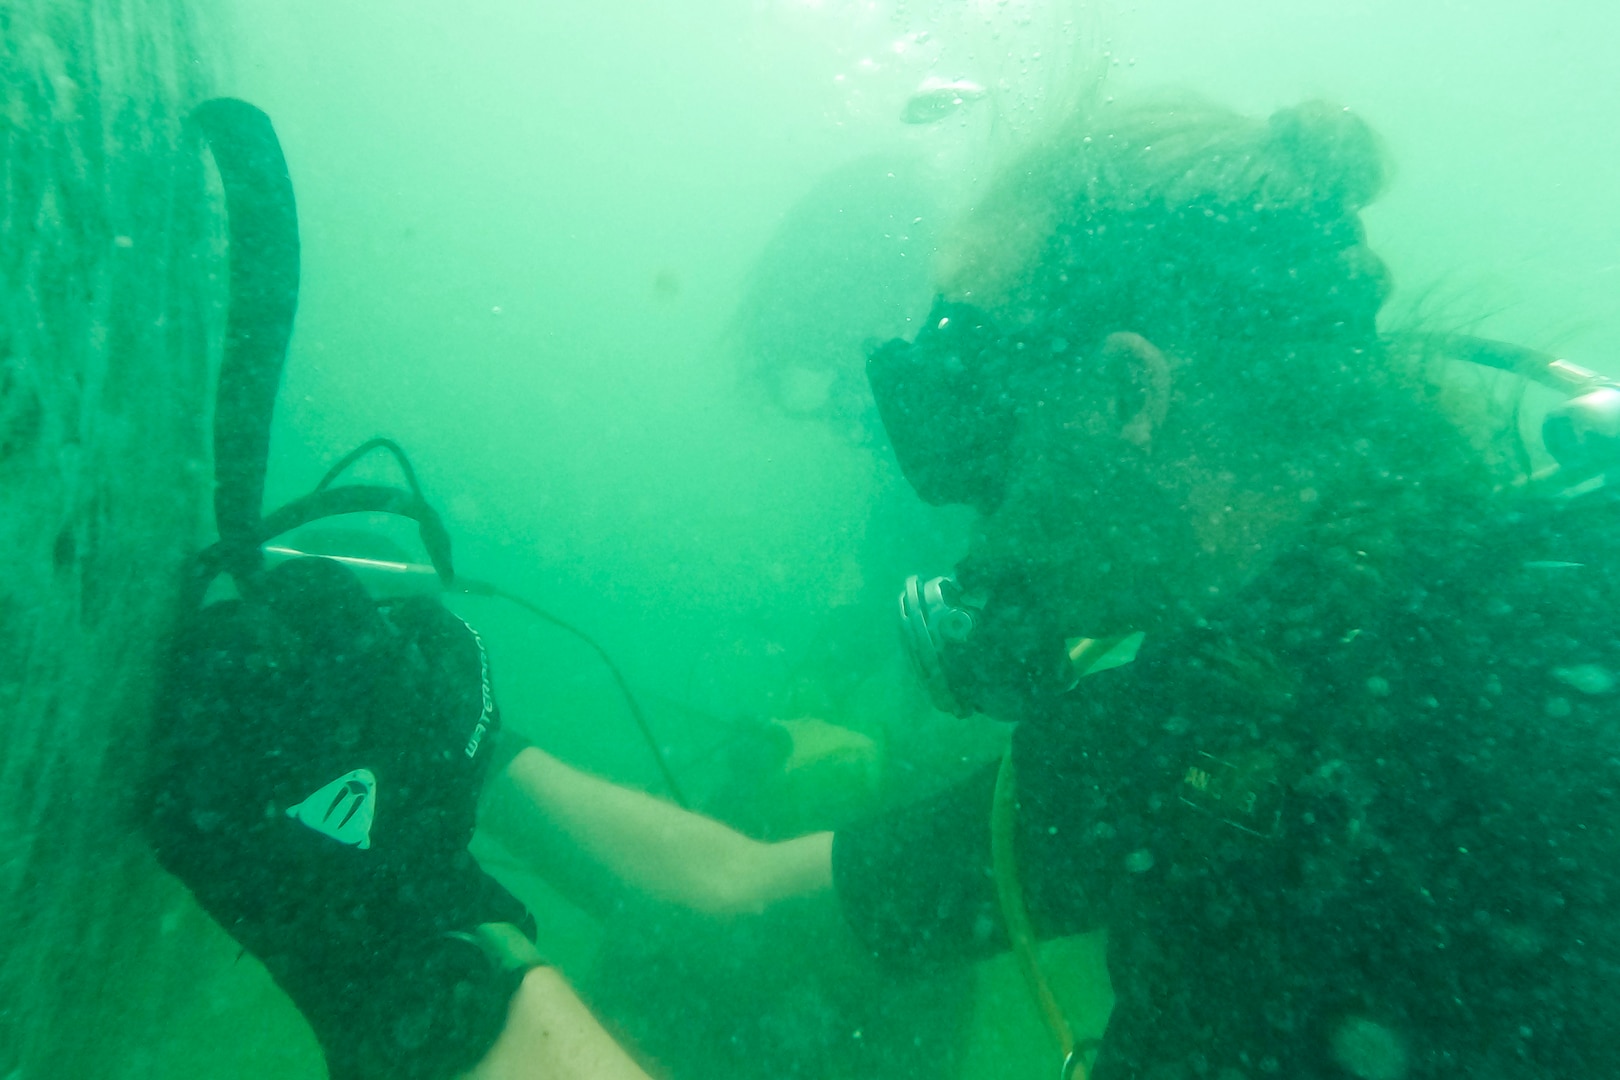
x,y
482,588
264,251
264,267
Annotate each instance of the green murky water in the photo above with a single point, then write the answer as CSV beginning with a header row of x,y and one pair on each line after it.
x,y
609,272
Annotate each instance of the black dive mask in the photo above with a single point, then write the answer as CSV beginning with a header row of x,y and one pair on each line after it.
x,y
950,401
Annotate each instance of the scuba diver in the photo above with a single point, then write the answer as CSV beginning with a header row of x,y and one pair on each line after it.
x,y
324,736
1316,685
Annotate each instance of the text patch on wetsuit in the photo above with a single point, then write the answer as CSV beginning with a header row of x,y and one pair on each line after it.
x,y
1243,792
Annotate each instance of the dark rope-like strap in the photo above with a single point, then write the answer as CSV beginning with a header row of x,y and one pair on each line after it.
x,y
264,260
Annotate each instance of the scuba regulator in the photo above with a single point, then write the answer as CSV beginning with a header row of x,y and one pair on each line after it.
x,y
936,620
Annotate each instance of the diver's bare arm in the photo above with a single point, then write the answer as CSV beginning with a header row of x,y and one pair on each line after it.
x,y
562,816
551,1035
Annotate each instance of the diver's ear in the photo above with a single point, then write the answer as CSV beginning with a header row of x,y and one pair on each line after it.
x,y
1145,381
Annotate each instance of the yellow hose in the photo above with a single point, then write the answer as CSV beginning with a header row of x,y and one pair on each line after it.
x,y
1010,894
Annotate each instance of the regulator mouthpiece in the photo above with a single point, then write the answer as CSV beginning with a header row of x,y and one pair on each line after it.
x,y
935,617
1583,434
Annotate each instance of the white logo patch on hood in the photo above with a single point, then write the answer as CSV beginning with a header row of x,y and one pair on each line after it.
x,y
342,809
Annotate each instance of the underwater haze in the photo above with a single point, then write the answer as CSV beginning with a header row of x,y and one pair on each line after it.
x,y
545,246
530,231
610,272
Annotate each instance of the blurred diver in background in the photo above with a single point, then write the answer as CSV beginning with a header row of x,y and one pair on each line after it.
x,y
1352,807
846,266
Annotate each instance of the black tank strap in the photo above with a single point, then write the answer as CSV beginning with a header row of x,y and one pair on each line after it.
x,y
264,267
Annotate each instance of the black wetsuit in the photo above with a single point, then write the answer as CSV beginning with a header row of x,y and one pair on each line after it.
x,y
319,772
1365,822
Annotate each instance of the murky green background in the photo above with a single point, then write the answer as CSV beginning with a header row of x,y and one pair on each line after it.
x,y
543,244
606,270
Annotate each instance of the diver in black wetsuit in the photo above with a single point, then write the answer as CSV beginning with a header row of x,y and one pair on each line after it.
x,y
1353,809
1359,820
